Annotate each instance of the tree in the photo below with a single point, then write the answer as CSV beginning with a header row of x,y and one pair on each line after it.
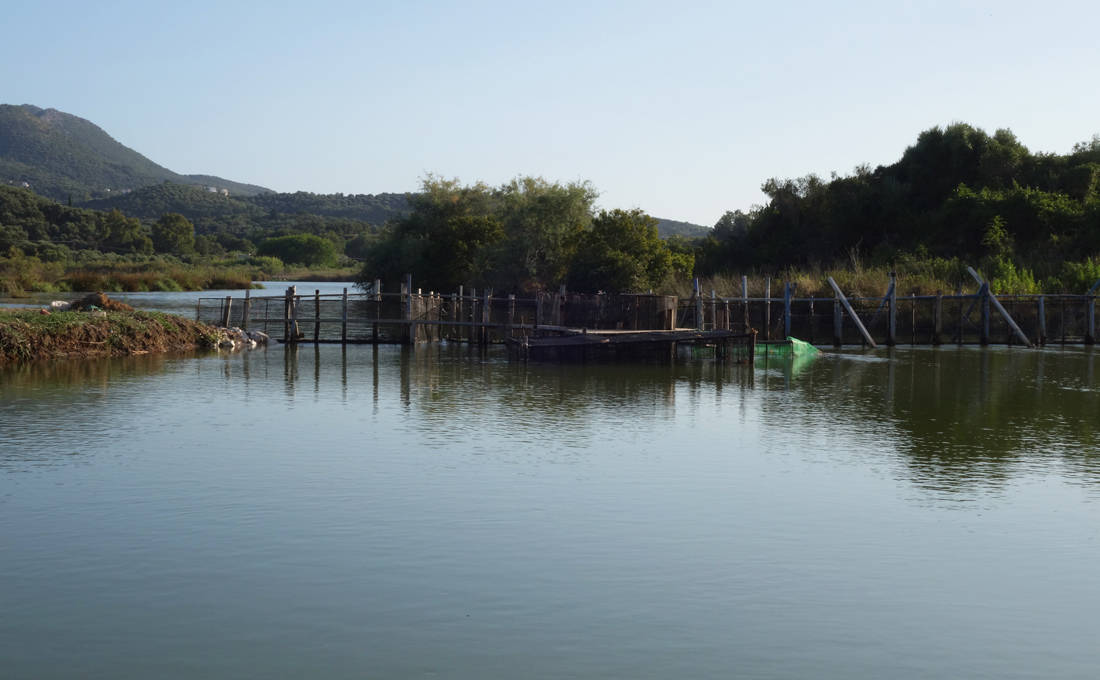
x,y
124,234
519,236
543,223
304,249
174,234
623,253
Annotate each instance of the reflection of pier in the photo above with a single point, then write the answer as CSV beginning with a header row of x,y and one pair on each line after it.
x,y
561,320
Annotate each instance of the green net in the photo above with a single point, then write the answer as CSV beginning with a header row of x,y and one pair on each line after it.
x,y
791,347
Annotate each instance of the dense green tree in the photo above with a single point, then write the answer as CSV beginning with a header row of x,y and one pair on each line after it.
x,y
543,223
303,249
519,236
623,253
122,234
173,233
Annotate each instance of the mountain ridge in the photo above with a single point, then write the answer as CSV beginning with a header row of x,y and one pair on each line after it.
x,y
66,157
72,160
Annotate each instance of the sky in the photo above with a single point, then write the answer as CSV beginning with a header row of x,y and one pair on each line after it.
x,y
683,109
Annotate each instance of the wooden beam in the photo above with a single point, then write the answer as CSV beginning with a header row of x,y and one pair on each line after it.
x,y
1000,309
852,313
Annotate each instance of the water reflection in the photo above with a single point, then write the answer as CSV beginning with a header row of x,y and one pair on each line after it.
x,y
950,419
960,417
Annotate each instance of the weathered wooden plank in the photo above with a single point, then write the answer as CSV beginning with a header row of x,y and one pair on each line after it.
x,y
852,313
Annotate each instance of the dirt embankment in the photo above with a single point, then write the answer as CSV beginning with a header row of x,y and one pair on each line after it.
x,y
105,330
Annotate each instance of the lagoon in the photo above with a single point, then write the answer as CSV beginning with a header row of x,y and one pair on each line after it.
x,y
348,512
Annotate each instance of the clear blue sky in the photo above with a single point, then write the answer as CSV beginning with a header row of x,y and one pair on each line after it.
x,y
682,108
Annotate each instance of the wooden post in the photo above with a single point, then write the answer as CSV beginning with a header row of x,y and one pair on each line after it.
x,y
892,325
990,299
727,324
767,307
226,309
1090,333
538,309
316,316
247,308
290,327
811,319
937,319
454,316
745,301
713,310
984,293
913,320
377,311
344,319
697,297
787,309
485,316
962,313
511,313
1090,322
1041,322
838,323
459,332
406,310
852,313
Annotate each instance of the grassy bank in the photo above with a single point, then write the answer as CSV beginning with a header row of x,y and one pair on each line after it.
x,y
21,275
28,335
927,276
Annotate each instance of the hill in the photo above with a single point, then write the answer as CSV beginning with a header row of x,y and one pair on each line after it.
x,y
205,207
65,157
666,228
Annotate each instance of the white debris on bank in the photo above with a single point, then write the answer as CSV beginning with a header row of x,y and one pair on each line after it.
x,y
234,339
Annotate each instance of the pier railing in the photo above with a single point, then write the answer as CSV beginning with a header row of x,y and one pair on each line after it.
x,y
411,316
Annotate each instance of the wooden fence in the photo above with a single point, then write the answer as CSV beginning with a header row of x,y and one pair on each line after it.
x,y
411,316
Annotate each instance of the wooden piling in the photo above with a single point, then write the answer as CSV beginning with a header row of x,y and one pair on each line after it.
x,y
988,300
407,311
247,308
485,316
1041,321
892,323
344,318
1090,321
937,319
962,314
316,316
377,310
983,293
697,298
838,323
745,301
511,314
767,307
852,313
290,316
226,310
787,309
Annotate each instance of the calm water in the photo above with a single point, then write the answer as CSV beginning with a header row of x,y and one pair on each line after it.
x,y
432,514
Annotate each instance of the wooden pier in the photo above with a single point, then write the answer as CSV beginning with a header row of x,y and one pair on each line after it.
x,y
560,320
